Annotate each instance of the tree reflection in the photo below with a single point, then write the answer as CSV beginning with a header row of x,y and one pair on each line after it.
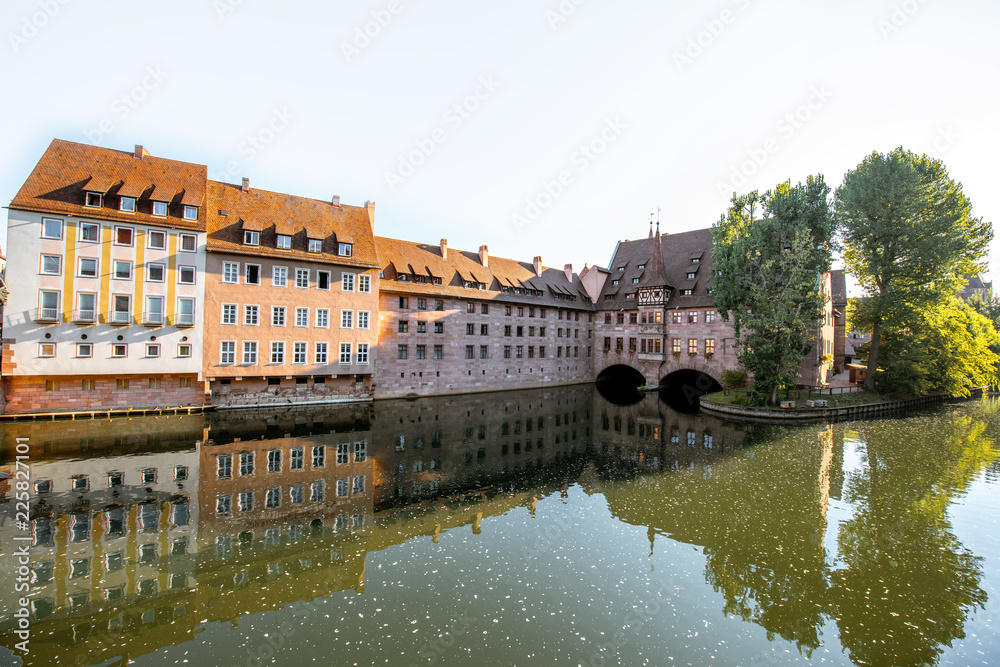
x,y
908,584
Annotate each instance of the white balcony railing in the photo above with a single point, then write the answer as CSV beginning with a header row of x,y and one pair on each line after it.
x,y
120,317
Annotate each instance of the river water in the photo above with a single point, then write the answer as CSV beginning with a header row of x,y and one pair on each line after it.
x,y
544,527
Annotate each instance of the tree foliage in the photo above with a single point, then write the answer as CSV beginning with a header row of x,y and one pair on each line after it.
x,y
770,251
909,240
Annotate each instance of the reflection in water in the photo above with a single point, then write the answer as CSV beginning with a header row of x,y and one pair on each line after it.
x,y
147,532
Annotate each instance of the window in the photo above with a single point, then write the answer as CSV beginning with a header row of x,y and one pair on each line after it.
x,y
52,229
439,327
84,350
519,352
119,350
709,346
484,330
279,276
676,346
123,236
296,494
156,240
614,282
346,319
160,209
183,351
52,264
318,456
404,326
710,316
693,317
185,275
190,212
180,473
404,302
322,280
249,352
692,346
322,317
277,316
315,245
123,270
470,351
301,317
343,486
246,501
342,452
421,351
470,329
90,232
298,353
189,243
152,351
316,491
302,278
246,463
274,460
686,292
251,315
359,484
225,468
347,285
229,313
363,317
277,352
635,281
252,275
230,272
484,351
365,284
362,353
154,273
296,454
360,451
421,327
345,353
439,351
320,353
273,498
284,242
506,351
344,249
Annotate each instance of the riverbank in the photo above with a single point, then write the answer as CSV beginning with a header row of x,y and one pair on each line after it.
x,y
816,408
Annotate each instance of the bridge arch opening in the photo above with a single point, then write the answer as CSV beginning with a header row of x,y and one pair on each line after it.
x,y
620,384
682,389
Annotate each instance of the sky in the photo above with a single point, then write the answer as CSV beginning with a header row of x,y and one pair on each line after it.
x,y
549,128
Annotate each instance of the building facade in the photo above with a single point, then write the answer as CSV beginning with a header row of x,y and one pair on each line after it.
x,y
107,282
292,298
456,321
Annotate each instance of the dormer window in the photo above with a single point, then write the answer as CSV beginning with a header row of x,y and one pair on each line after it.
x,y
696,260
615,281
93,199
160,208
621,268
284,242
691,275
127,204
316,245
403,277
251,238
635,281
190,212
642,266
686,292
344,249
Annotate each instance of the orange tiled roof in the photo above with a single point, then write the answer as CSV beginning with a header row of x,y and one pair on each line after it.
x,y
67,170
231,211
421,259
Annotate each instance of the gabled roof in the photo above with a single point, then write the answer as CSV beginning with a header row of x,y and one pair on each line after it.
x,y
460,266
67,170
668,267
272,213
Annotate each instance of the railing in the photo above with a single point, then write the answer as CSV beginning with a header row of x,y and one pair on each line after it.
x,y
152,319
48,315
119,317
85,316
184,320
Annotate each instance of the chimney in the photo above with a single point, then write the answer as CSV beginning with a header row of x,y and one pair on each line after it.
x,y
140,151
444,248
484,255
336,200
538,265
569,272
370,205
246,184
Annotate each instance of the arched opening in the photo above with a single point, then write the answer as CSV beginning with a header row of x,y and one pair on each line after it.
x,y
681,389
620,384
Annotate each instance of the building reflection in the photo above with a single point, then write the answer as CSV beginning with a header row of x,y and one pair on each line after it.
x,y
141,536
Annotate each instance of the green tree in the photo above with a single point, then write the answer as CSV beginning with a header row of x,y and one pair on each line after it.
x,y
769,269
909,239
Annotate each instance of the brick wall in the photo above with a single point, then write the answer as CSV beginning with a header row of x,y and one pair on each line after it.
x,y
66,393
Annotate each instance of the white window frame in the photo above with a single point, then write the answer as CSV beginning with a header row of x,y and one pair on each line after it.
x,y
302,278
323,318
119,350
126,204
364,319
251,237
301,317
90,197
231,272
163,272
346,349
251,308
160,209
58,222
246,268
362,353
347,282
315,245
329,279
122,262
152,234
84,350
41,265
180,275
344,249
131,230
90,225
190,212
230,308
284,242
321,353
347,319
249,352
277,352
152,350
300,351
185,237
223,352
182,352
279,276
278,314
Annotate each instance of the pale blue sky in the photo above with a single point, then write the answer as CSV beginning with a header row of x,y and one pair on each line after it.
x,y
675,99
